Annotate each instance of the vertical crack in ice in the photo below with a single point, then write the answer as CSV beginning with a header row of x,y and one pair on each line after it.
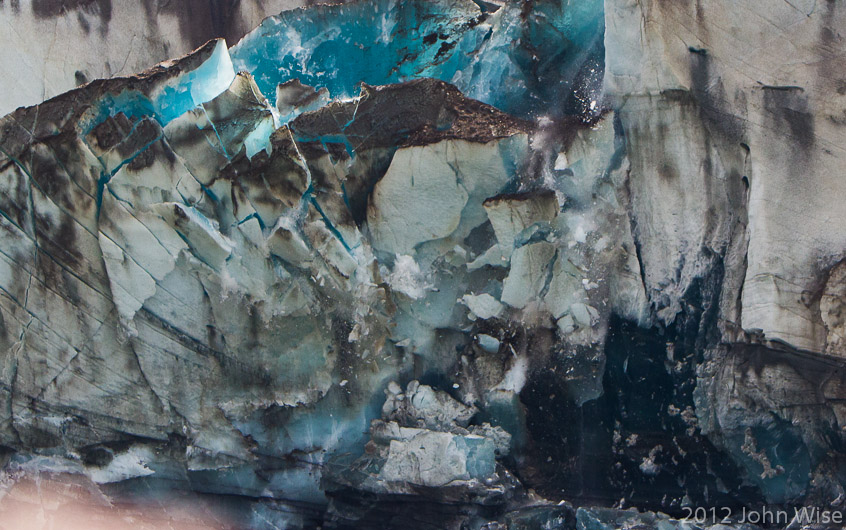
x,y
309,195
216,133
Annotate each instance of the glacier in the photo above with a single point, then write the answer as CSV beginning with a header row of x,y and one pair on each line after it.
x,y
445,264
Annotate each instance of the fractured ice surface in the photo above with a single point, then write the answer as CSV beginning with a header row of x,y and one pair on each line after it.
x,y
54,46
433,264
519,61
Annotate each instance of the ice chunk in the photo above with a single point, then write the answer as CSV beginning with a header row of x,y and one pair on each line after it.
x,y
293,98
421,404
286,242
436,459
488,343
199,232
407,278
529,273
210,78
483,305
423,195
420,198
131,285
128,464
511,214
209,136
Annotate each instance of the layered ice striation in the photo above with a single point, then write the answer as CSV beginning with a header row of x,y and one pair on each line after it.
x,y
441,264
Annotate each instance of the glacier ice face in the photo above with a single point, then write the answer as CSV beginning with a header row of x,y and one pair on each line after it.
x,y
520,60
55,46
730,185
478,258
